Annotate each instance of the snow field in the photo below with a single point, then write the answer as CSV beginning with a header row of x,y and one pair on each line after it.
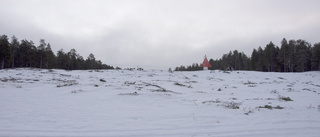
x,y
37,102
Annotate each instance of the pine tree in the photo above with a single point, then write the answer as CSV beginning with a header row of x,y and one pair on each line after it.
x,y
5,52
41,52
14,46
278,65
213,64
301,54
62,59
315,61
72,54
254,60
260,60
81,62
26,54
50,57
91,62
270,57
291,55
283,56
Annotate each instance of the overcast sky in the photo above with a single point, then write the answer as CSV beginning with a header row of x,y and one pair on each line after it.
x,y
159,33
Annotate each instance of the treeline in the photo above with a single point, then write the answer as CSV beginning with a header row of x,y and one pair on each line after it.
x,y
193,67
24,53
291,56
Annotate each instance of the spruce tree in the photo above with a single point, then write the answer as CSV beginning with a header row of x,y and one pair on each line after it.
x,y
41,52
5,52
315,61
283,56
50,57
14,46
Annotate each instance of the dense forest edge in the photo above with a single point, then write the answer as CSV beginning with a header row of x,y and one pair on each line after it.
x,y
24,53
292,56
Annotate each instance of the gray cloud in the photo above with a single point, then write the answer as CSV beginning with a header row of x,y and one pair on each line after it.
x,y
160,33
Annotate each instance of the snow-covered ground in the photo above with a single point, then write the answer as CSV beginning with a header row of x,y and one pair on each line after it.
x,y
152,103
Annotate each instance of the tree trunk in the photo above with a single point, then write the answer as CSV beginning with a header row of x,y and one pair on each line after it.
x,y
40,62
2,64
12,62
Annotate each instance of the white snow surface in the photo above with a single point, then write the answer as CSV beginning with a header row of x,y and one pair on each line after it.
x,y
124,103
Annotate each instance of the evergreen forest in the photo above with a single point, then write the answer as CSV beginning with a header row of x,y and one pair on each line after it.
x,y
291,56
24,53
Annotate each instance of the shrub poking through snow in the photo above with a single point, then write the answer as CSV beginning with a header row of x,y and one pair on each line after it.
x,y
160,89
68,83
233,98
76,91
266,106
231,105
178,84
285,98
250,84
270,107
226,104
278,107
274,92
127,83
248,110
182,85
212,101
133,94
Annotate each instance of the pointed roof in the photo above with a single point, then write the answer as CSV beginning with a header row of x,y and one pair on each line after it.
x,y
205,63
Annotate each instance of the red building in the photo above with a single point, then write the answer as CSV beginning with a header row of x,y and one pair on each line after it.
x,y
205,64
